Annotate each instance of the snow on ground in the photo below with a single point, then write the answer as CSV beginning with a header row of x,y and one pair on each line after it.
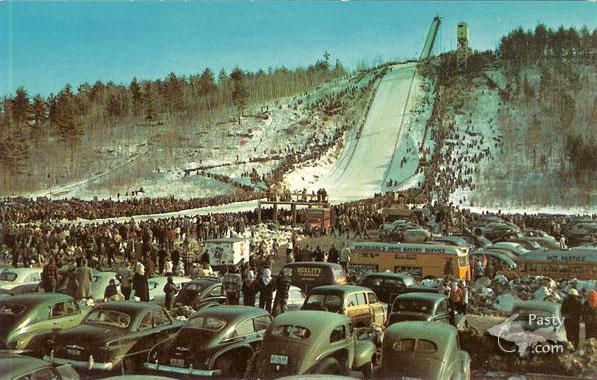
x,y
361,166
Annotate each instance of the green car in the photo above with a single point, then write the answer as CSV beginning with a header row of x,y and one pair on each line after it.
x,y
311,342
27,320
423,350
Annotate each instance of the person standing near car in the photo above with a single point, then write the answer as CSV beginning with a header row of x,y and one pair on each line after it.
x,y
232,283
266,287
345,256
84,278
283,281
140,283
249,287
124,275
50,276
170,291
572,311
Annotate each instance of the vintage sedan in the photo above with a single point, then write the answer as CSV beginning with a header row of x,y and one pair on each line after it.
x,y
420,307
13,277
16,367
387,285
114,335
201,292
213,341
27,320
360,304
535,315
423,350
311,342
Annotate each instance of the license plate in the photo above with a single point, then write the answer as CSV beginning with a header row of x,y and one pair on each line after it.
x,y
177,362
278,359
73,352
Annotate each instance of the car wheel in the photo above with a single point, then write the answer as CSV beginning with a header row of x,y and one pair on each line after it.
x,y
368,370
328,366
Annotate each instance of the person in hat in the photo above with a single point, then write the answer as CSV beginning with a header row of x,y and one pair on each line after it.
x,y
140,283
572,311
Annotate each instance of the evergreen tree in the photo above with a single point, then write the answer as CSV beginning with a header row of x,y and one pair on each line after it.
x,y
239,92
21,106
39,109
136,96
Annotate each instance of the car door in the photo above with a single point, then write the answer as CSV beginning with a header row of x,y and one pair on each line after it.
x,y
442,312
162,325
144,336
378,315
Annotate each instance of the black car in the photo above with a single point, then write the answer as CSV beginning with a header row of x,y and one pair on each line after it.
x,y
204,291
114,335
420,307
16,367
387,285
213,341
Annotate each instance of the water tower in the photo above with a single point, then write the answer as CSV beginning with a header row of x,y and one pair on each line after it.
x,y
462,51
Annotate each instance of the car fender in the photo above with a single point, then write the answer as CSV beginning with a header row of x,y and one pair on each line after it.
x,y
365,353
245,347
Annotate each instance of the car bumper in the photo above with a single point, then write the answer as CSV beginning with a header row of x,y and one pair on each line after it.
x,y
180,370
81,364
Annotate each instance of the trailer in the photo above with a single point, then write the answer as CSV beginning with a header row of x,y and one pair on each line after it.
x,y
227,251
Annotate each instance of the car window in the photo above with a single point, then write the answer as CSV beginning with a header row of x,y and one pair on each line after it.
x,y
361,300
245,328
146,322
372,298
294,332
331,302
71,307
217,291
108,317
392,284
261,322
338,334
58,310
160,318
404,345
351,300
374,281
424,345
442,307
42,374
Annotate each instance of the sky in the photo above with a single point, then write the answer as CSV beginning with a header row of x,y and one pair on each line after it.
x,y
45,45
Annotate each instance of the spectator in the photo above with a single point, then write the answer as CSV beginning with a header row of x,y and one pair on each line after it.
x,y
232,283
572,310
345,256
170,291
84,278
140,283
590,315
49,276
110,290
249,287
266,288
283,281
125,275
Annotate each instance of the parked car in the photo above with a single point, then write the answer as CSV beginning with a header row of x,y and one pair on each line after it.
x,y
311,342
514,248
454,240
548,313
308,274
16,367
387,285
13,277
202,292
358,303
497,230
99,281
526,243
432,307
27,320
156,288
113,335
579,231
21,289
213,341
540,237
506,260
423,350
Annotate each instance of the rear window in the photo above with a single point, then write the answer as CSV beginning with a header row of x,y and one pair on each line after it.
x,y
293,332
11,309
206,323
412,345
411,305
194,287
108,317
328,301
8,276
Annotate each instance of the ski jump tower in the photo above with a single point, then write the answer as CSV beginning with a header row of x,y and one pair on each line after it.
x,y
462,51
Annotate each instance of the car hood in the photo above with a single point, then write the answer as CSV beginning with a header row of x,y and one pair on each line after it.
x,y
88,335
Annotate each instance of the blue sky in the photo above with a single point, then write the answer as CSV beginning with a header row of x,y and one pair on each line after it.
x,y
44,45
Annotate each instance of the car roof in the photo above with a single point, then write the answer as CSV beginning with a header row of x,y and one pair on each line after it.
x,y
128,306
37,298
228,312
16,365
335,289
401,275
439,333
550,307
312,264
434,297
312,319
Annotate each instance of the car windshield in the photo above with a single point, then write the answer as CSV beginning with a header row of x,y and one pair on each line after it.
x,y
108,317
11,309
8,276
412,305
293,332
206,323
330,302
194,287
